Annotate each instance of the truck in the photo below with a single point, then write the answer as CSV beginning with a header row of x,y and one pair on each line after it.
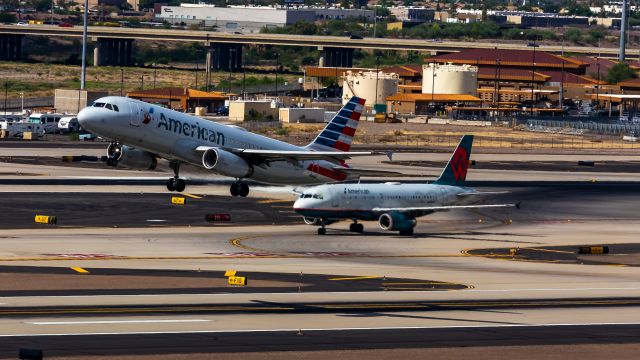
x,y
68,124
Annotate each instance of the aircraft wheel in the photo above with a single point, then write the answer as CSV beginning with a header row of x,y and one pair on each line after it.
x,y
408,232
235,190
359,228
243,189
180,185
353,227
322,231
171,185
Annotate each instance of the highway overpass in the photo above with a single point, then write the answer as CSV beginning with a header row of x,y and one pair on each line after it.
x,y
339,44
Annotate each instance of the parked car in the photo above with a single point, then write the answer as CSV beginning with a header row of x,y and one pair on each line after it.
x,y
65,24
222,111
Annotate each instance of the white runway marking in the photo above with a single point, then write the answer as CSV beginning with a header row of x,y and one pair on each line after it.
x,y
338,292
156,220
116,322
328,329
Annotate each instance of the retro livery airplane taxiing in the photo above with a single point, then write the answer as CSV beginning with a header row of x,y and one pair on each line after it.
x,y
142,132
396,206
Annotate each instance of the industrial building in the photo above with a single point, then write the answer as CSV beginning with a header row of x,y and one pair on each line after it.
x,y
252,18
184,99
373,86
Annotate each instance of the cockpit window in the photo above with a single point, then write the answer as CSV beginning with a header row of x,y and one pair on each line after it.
x,y
115,107
108,106
98,104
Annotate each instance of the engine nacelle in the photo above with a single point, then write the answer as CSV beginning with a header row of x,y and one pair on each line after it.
x,y
226,163
395,221
129,157
316,221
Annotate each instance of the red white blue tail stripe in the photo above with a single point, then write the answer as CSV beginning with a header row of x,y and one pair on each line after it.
x,y
338,134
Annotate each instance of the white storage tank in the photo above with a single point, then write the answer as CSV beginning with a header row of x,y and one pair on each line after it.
x,y
363,84
449,79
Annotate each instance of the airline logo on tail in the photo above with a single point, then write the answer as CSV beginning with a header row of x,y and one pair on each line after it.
x,y
339,132
460,164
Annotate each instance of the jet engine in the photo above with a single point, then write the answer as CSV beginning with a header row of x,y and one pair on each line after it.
x,y
127,156
226,163
396,221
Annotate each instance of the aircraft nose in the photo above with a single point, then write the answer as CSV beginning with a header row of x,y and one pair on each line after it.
x,y
85,118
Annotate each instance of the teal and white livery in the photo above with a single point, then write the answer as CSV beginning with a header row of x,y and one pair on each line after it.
x,y
394,205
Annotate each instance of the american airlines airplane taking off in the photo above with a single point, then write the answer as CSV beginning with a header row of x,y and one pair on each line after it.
x,y
142,132
396,206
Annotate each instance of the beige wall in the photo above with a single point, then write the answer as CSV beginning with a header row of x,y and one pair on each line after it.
x,y
301,115
252,110
71,102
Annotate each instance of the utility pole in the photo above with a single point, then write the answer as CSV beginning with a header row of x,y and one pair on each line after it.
x,y
533,75
121,80
623,31
277,66
83,75
154,75
231,50
377,73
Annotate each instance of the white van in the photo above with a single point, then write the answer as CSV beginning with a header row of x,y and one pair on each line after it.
x,y
48,121
68,124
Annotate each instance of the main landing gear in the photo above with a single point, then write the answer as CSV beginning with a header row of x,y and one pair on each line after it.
x,y
406,232
239,188
322,230
175,183
355,227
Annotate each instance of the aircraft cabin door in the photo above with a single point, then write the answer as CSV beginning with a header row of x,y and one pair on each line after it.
x,y
136,114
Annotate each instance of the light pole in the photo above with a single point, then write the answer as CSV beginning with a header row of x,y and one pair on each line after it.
x,y
231,50
433,85
598,88
83,75
154,75
377,76
244,78
121,80
21,102
277,66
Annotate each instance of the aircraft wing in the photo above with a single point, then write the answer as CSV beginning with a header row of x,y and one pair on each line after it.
x,y
483,193
267,156
444,208
366,172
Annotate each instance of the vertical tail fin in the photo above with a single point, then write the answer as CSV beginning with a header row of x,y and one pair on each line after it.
x,y
455,172
338,134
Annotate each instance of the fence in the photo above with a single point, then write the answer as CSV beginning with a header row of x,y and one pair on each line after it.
x,y
596,127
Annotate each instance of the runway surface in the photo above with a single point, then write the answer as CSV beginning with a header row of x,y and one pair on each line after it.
x,y
154,288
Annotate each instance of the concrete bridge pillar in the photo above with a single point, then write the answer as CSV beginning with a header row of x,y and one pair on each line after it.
x,y
113,52
338,57
10,47
224,57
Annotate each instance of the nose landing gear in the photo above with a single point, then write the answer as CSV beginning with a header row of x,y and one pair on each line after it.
x,y
175,183
239,188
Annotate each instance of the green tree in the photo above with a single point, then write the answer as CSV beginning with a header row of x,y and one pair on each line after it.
x,y
573,35
7,18
620,72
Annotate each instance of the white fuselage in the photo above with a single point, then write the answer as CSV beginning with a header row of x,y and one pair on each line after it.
x,y
360,201
175,136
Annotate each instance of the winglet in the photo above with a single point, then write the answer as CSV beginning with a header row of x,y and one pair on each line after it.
x,y
389,155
